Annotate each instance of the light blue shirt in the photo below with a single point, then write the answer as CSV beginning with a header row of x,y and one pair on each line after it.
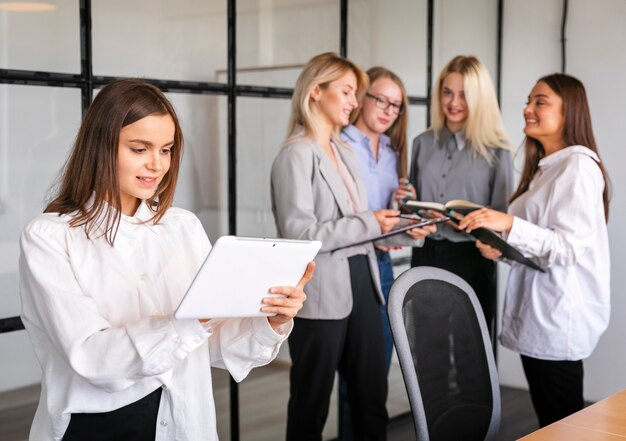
x,y
381,177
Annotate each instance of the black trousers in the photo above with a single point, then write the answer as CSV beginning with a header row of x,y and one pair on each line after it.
x,y
134,422
464,260
556,388
355,347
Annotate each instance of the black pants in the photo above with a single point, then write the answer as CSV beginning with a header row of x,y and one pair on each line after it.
x,y
134,422
464,260
354,346
556,388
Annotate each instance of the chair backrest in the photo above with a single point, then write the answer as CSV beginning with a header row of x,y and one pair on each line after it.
x,y
445,355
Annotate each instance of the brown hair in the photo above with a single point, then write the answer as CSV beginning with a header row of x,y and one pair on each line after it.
x,y
92,165
397,131
577,130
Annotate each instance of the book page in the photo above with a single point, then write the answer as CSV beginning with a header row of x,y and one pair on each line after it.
x,y
461,203
426,205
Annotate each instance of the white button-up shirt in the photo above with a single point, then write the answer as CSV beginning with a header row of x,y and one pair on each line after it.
x,y
100,320
559,222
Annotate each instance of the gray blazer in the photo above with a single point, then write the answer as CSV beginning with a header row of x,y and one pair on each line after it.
x,y
309,202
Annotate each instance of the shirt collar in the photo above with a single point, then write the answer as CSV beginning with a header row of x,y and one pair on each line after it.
x,y
354,134
559,155
143,215
357,137
384,140
445,134
460,139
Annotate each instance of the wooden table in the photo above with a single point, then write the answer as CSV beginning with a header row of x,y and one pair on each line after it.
x,y
602,421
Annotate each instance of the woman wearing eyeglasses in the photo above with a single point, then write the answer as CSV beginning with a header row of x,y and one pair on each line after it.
x,y
378,137
465,154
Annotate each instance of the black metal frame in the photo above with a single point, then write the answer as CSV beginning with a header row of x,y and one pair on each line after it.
x,y
564,36
499,49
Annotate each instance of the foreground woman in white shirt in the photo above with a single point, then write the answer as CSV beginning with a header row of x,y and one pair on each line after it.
x,y
101,272
558,217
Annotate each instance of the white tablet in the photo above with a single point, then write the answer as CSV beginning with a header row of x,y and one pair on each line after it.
x,y
238,273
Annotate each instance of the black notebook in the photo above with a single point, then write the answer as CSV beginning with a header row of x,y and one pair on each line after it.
x,y
483,234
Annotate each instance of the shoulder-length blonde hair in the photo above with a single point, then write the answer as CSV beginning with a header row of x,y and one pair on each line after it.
x,y
320,71
92,165
484,128
397,131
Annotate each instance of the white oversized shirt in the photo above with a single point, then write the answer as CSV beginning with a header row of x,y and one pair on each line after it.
x,y
559,222
100,320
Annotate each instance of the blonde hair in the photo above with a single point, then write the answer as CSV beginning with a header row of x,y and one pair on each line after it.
x,y
320,70
484,128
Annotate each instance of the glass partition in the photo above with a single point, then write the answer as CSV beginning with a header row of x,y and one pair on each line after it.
x,y
262,126
463,30
183,41
280,36
37,129
40,36
393,35
203,179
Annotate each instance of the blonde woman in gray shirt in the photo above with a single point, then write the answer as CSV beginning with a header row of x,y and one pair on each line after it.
x,y
465,154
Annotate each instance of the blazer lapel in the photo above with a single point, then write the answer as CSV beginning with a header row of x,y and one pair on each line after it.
x,y
351,161
331,176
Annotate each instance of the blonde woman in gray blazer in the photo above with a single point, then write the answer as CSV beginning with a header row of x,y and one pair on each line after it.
x,y
317,193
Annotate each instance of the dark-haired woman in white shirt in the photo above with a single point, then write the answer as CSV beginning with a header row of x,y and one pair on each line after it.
x,y
101,272
557,217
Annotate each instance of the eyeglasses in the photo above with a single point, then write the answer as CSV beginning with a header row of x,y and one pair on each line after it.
x,y
384,104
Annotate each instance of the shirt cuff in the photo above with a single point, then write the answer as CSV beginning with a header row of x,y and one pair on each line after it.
x,y
192,333
266,335
523,235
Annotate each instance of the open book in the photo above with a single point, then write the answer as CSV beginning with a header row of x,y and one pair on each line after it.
x,y
450,207
483,234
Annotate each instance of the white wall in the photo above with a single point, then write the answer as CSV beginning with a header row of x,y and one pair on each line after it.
x,y
465,28
596,38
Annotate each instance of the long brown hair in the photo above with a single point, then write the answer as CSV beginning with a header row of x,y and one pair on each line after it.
x,y
577,130
91,168
397,131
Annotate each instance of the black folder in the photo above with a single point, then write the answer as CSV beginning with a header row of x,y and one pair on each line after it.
x,y
489,237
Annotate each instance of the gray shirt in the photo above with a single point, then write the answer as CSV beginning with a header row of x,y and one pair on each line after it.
x,y
444,168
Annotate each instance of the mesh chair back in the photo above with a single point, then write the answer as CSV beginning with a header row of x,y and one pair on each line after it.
x,y
445,355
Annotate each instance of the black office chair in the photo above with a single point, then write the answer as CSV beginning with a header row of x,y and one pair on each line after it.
x,y
445,355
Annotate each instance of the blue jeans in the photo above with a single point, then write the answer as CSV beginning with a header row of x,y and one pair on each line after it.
x,y
385,267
